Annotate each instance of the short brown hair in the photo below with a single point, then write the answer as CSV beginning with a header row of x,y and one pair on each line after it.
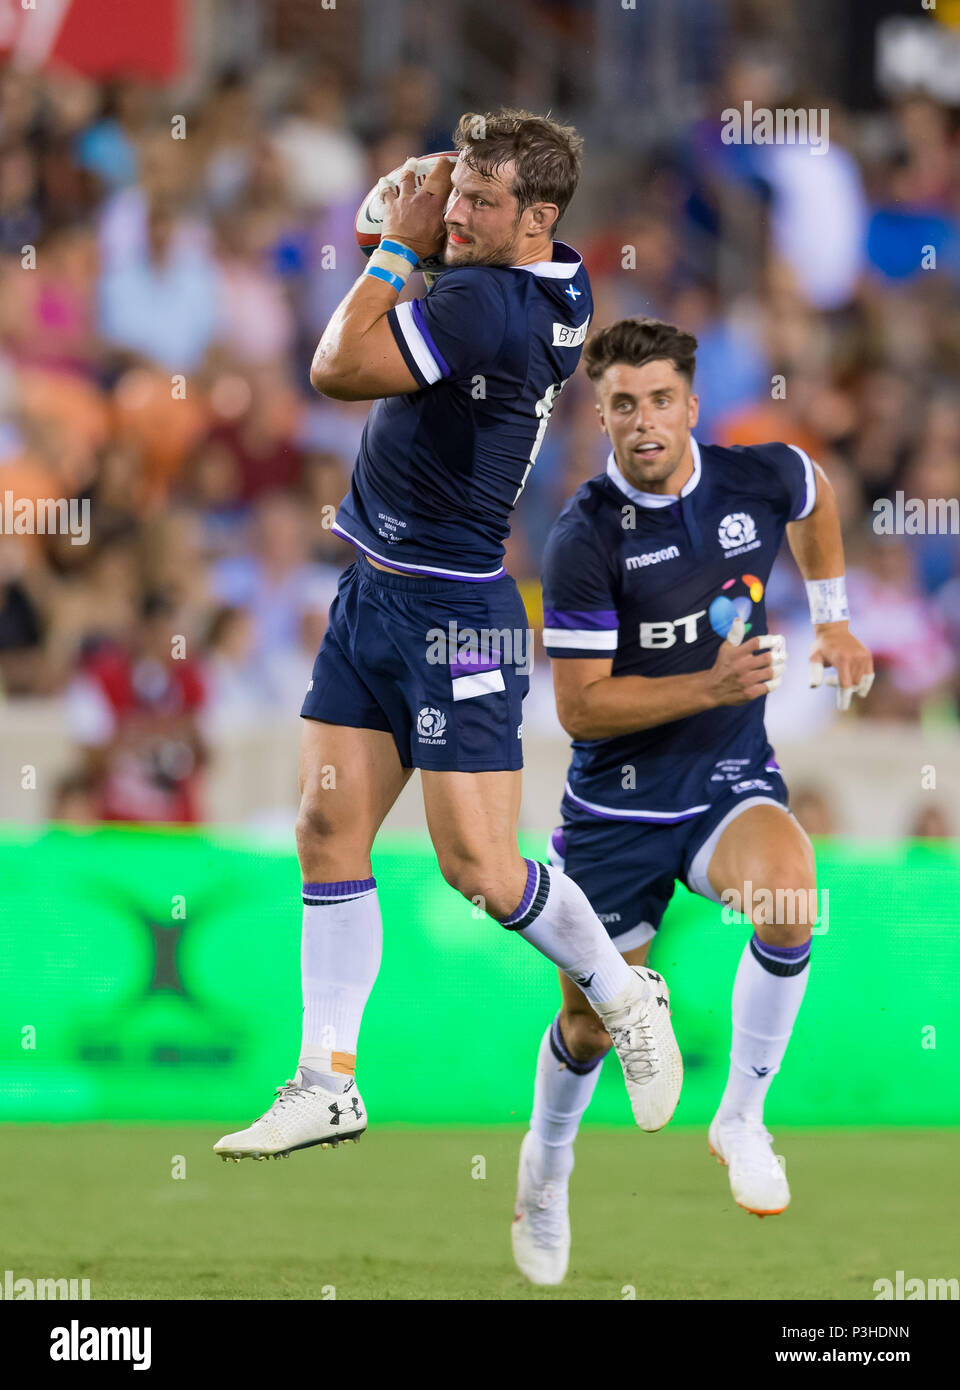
x,y
637,341
546,154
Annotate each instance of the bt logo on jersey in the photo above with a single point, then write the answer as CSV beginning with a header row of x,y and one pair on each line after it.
x,y
721,612
665,634
564,336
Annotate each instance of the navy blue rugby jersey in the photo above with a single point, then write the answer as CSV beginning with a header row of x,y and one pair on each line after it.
x,y
655,582
440,469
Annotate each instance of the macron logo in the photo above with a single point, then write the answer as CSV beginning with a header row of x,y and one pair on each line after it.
x,y
652,557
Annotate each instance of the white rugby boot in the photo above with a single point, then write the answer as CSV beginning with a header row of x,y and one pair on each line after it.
x,y
299,1118
757,1181
541,1223
638,1022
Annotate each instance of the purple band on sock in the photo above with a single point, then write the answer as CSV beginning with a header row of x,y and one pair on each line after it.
x,y
780,960
316,893
781,952
559,1049
533,877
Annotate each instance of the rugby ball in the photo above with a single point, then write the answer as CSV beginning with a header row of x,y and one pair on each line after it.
x,y
369,220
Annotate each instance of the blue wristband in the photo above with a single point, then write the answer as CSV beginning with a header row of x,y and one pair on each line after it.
x,y
380,274
397,248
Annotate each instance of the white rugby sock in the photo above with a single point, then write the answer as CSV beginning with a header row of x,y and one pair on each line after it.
x,y
555,916
340,954
562,1091
767,994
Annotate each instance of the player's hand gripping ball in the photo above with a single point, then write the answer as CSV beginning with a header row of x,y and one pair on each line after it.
x,y
369,221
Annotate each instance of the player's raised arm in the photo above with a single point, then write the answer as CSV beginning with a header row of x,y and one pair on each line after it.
x,y
358,359
817,546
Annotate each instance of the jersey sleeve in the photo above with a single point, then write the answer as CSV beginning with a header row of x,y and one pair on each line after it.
x,y
579,605
456,330
795,471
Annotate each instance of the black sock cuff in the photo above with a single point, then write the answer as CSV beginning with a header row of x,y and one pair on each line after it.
x,y
559,1049
780,960
534,897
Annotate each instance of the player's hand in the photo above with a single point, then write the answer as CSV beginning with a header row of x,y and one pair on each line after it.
x,y
415,215
836,646
744,671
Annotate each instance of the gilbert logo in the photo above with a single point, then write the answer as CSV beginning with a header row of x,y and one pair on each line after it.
x,y
430,725
737,533
76,1343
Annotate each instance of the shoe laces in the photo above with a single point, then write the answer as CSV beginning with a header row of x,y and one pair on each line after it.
x,y
634,1044
287,1092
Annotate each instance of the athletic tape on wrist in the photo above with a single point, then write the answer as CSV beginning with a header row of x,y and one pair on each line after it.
x,y
397,248
391,262
828,600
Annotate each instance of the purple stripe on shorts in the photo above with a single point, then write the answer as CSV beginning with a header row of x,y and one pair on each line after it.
x,y
559,842
600,620
473,666
419,571
667,818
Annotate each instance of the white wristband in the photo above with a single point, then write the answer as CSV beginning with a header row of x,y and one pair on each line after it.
x,y
828,600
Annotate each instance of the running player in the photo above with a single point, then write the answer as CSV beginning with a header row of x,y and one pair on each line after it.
x,y
464,380
652,575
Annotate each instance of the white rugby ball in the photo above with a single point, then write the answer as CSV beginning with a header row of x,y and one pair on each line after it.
x,y
369,220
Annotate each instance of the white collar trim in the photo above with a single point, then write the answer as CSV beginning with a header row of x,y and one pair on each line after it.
x,y
655,499
555,270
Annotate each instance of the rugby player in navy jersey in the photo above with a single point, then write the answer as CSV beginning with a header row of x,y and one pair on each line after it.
x,y
424,663
653,584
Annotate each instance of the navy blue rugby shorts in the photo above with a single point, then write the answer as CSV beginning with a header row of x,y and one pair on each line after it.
x,y
408,656
628,869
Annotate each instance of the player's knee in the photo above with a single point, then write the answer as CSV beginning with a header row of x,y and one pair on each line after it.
x,y
479,878
315,824
461,871
328,849
584,1035
783,904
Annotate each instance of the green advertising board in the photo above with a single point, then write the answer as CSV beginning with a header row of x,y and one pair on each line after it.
x,y
154,975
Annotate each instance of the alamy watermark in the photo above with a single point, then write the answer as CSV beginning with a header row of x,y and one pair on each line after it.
x,y
45,516
910,1289
468,649
14,1289
782,906
916,516
759,125
76,1343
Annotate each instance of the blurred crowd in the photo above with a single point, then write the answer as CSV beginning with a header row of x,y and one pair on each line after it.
x,y
163,284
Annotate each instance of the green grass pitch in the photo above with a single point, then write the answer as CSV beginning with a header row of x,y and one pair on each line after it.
x,y
425,1214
